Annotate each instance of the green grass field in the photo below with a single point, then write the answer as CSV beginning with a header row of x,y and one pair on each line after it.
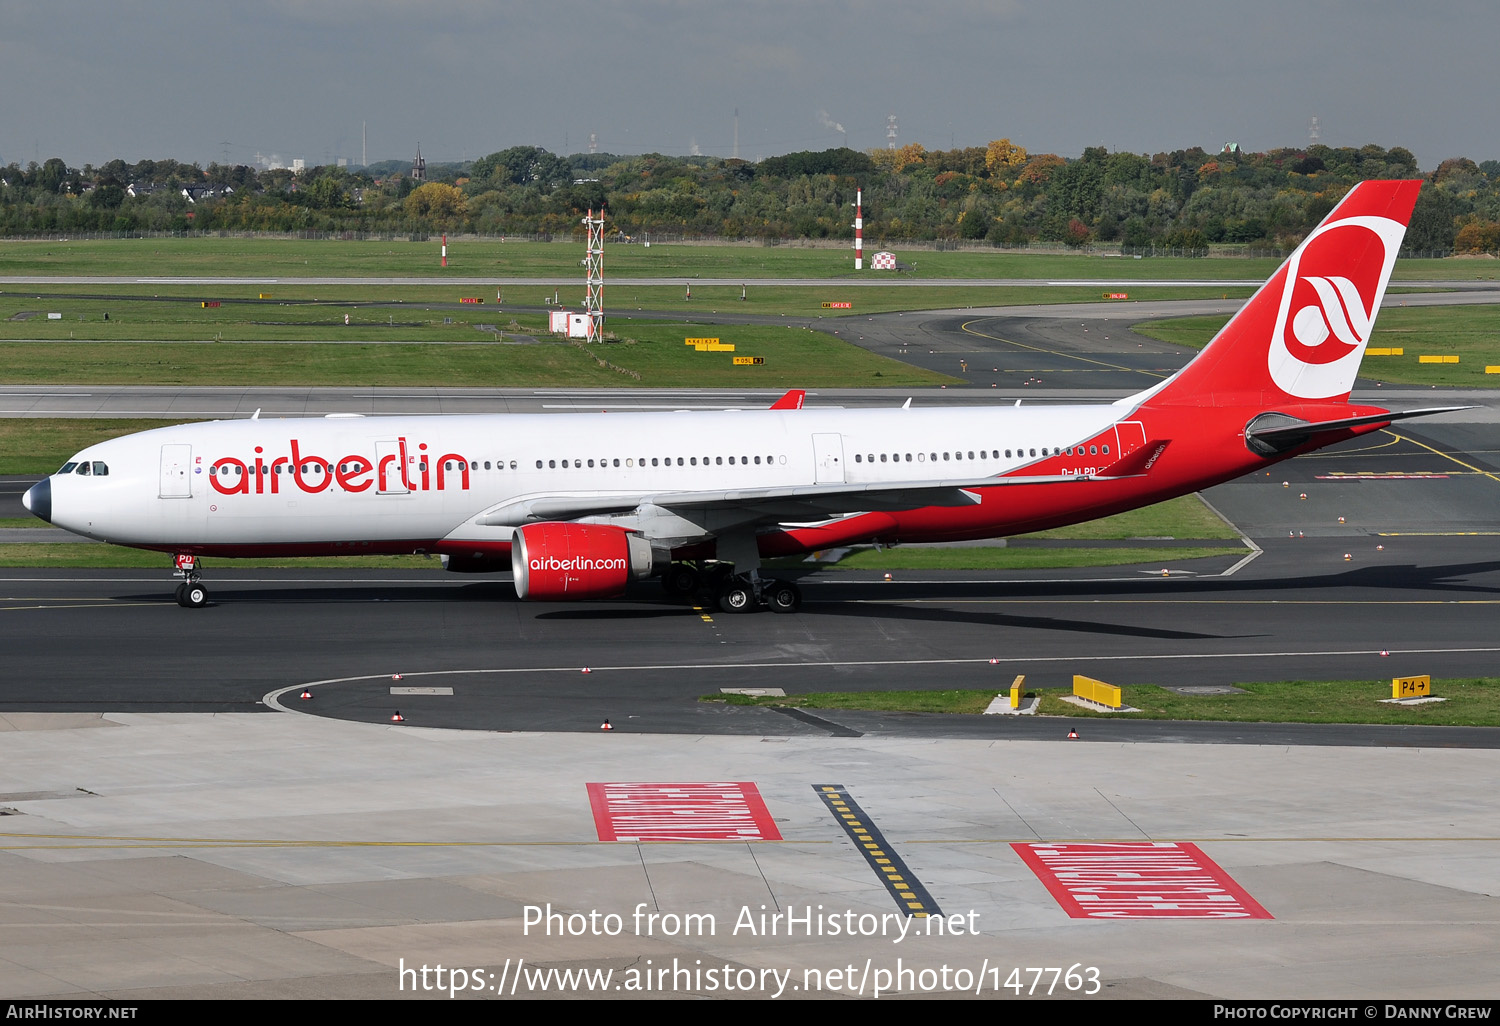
x,y
652,354
285,257
315,313
1472,702
467,258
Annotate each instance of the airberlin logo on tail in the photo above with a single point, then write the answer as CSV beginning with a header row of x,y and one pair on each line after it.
x,y
1339,311
1332,288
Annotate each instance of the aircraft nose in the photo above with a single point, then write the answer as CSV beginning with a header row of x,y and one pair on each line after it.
x,y
38,499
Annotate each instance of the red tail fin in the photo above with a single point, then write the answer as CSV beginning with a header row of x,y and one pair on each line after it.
x,y
1302,335
791,401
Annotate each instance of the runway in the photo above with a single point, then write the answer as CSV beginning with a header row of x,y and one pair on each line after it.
x,y
174,836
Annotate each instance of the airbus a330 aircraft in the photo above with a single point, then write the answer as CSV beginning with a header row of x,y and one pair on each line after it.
x,y
576,506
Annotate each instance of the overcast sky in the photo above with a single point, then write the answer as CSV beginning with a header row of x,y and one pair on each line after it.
x,y
197,80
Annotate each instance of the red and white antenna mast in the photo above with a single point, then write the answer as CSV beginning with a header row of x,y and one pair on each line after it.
x,y
593,301
859,229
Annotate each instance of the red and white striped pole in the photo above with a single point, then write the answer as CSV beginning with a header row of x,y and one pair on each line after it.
x,y
859,229
445,249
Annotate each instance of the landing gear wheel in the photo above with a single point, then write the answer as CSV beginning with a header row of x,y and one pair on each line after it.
x,y
783,597
737,596
180,600
194,596
680,580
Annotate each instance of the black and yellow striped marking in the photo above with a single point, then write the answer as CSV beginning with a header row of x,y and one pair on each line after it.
x,y
910,896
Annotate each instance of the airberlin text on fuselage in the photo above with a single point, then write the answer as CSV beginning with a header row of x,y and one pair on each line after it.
x,y
393,472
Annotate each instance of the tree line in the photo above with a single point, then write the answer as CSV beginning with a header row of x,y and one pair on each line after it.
x,y
1185,201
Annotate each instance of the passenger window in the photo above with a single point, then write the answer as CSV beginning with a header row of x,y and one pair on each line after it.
x,y
1106,450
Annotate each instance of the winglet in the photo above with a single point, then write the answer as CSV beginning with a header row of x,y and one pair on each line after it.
x,y
791,401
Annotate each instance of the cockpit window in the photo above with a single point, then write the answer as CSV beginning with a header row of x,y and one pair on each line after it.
x,y
101,469
67,468
85,468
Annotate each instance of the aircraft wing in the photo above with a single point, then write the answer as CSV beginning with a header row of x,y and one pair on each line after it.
x,y
794,502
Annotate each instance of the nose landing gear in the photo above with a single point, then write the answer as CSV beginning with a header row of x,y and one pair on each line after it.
x,y
191,594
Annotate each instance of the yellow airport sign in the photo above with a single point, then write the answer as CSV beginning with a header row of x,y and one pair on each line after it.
x,y
1411,687
1387,351
1096,691
1016,687
749,361
838,306
1492,370
265,295
699,341
1437,359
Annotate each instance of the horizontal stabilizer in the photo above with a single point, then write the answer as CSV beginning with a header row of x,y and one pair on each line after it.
x,y
1276,432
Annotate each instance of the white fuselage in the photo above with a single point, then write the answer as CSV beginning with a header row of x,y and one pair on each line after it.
x,y
269,484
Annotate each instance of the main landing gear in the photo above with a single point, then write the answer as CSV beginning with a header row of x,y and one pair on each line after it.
x,y
191,594
732,592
